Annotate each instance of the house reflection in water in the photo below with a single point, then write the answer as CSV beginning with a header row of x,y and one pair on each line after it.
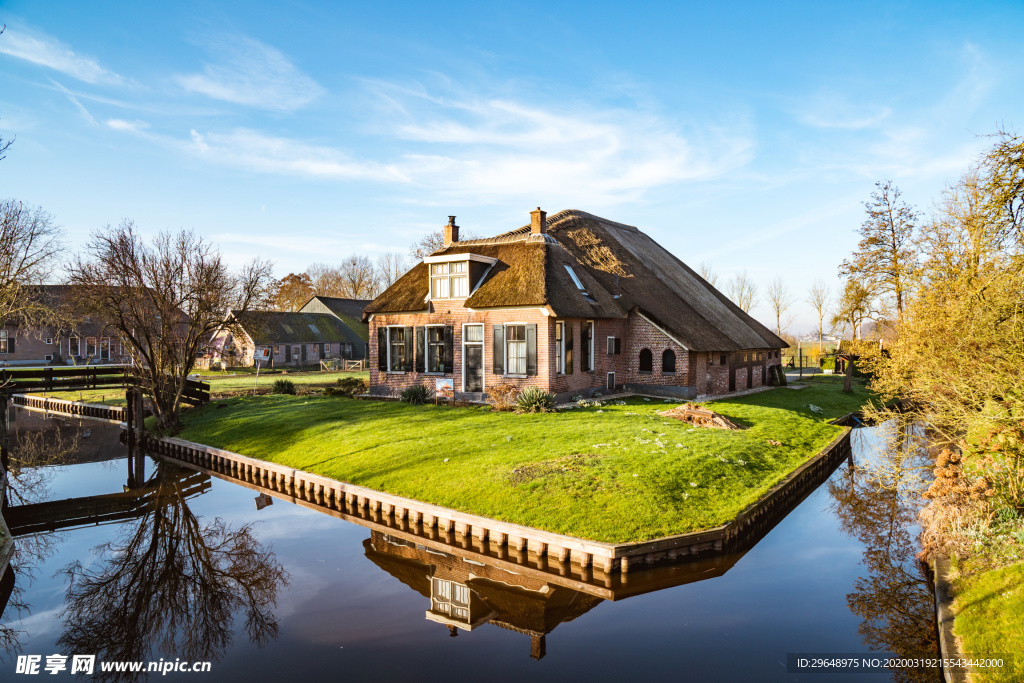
x,y
465,593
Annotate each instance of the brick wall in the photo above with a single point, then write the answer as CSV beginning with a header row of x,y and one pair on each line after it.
x,y
30,346
644,335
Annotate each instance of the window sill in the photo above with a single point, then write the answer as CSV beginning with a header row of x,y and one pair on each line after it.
x,y
668,374
437,374
645,372
516,376
394,372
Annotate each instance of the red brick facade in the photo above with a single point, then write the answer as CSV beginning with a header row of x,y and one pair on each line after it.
x,y
693,375
45,346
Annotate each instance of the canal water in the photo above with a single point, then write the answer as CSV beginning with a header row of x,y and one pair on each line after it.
x,y
197,568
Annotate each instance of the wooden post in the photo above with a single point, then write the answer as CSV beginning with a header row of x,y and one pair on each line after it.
x,y
129,399
140,431
5,456
848,382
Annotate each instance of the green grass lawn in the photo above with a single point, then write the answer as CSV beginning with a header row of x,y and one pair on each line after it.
x,y
220,385
615,473
989,610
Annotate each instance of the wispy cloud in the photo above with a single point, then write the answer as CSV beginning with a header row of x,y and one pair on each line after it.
x,y
478,150
74,100
49,52
252,74
833,111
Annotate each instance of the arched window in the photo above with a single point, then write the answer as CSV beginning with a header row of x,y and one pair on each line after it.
x,y
646,360
668,361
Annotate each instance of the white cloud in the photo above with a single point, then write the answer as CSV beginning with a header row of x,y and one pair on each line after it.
x,y
74,100
252,74
49,52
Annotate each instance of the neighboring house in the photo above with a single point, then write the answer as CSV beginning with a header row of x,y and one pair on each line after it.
x,y
574,304
78,340
304,337
350,312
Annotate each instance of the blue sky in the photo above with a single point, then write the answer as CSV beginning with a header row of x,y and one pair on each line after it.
x,y
744,135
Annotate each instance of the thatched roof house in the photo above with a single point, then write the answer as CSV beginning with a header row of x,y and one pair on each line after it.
x,y
586,278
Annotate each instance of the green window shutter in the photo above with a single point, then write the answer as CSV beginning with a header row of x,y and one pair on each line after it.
x,y
585,347
407,361
498,347
531,349
382,349
421,336
449,347
568,348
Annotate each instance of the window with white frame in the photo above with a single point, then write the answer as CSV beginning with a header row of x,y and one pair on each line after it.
x,y
327,350
560,347
588,346
49,341
90,346
449,280
435,348
515,349
397,346
74,346
4,343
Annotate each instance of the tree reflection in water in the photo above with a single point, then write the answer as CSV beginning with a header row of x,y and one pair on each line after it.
x,y
877,502
171,585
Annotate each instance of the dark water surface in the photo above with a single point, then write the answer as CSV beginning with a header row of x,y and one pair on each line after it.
x,y
289,593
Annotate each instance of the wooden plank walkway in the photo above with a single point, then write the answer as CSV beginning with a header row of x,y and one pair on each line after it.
x,y
91,411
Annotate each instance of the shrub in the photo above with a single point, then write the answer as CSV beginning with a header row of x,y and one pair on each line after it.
x,y
283,386
348,387
503,396
535,400
417,394
828,363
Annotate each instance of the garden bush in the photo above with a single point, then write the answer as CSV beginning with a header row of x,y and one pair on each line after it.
x,y
283,386
535,400
503,396
347,387
417,394
828,363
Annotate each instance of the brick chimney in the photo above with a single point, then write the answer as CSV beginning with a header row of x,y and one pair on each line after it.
x,y
451,232
538,222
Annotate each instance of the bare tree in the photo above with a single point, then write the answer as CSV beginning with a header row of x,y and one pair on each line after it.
x,y
326,280
743,292
856,304
780,299
30,244
390,267
433,241
709,275
359,277
885,255
165,301
819,298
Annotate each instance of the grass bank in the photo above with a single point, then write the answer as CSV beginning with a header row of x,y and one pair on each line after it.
x,y
989,611
615,473
221,386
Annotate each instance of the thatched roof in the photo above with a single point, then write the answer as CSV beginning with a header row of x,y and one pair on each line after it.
x,y
621,268
273,327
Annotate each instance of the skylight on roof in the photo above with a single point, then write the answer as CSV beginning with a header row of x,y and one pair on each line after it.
x,y
576,280
313,327
287,328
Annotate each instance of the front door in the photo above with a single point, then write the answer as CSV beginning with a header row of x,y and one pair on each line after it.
x,y
473,358
732,372
287,354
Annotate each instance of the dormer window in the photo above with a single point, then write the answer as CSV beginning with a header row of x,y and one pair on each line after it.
x,y
449,280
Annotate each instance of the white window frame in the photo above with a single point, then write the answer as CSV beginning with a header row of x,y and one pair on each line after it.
x,y
48,356
49,341
388,339
483,355
426,350
504,348
5,335
610,385
560,347
78,343
450,277
104,341
611,346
